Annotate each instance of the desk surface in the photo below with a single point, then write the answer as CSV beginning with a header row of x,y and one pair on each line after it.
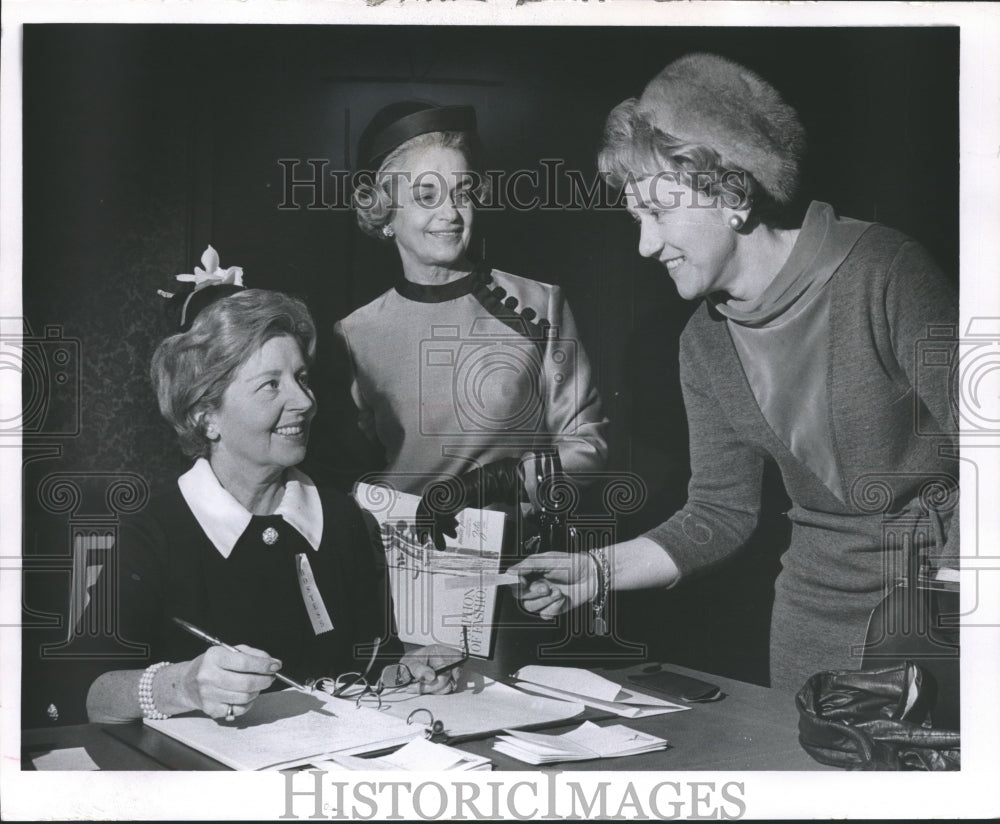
x,y
751,728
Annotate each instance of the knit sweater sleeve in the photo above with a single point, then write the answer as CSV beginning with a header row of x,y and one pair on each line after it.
x,y
725,489
922,315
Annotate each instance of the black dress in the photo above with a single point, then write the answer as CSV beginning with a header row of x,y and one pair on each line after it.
x,y
169,568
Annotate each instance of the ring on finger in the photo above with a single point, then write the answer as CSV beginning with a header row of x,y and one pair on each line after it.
x,y
230,715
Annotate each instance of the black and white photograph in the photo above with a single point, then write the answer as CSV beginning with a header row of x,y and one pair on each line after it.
x,y
601,400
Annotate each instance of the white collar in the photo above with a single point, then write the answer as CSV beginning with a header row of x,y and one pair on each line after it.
x,y
224,519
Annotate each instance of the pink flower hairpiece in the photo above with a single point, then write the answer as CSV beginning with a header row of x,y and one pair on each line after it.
x,y
211,275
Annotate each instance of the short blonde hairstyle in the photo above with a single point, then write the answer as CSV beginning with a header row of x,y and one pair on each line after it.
x,y
190,371
373,199
633,148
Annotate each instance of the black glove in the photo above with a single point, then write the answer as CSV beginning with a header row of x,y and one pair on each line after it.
x,y
495,483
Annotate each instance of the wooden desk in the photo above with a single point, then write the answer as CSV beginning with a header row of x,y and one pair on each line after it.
x,y
752,728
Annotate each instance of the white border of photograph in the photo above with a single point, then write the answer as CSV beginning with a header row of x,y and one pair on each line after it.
x,y
972,792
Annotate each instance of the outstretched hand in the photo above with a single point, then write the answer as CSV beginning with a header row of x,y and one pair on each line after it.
x,y
555,582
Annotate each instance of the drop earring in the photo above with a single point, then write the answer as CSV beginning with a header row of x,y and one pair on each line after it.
x,y
388,232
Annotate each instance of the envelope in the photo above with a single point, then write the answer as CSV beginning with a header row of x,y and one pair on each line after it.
x,y
584,686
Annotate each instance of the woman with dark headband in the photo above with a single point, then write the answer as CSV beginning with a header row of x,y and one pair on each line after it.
x,y
803,353
244,546
464,374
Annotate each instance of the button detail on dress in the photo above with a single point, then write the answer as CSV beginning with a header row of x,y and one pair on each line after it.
x,y
270,536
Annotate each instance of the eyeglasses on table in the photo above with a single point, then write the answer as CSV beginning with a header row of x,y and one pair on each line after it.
x,y
392,679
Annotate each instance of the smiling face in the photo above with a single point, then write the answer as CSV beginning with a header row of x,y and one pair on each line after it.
x,y
687,232
433,217
263,420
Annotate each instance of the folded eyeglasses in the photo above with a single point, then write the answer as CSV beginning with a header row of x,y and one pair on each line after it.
x,y
394,677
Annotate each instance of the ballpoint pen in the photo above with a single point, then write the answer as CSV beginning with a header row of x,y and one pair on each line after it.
x,y
211,639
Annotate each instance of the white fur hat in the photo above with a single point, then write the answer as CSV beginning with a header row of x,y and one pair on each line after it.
x,y
706,99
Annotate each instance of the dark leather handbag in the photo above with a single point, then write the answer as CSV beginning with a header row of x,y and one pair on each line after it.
x,y
875,719
920,624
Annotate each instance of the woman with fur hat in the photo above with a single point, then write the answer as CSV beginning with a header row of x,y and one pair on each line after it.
x,y
469,378
803,353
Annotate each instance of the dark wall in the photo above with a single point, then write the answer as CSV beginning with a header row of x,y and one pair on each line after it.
x,y
142,144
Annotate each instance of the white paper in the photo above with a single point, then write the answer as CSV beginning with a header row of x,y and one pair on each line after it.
x,y
626,702
572,679
481,705
585,742
420,755
288,728
427,755
613,740
71,758
428,610
482,580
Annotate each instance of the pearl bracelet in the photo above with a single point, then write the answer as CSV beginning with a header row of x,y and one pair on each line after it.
x,y
146,703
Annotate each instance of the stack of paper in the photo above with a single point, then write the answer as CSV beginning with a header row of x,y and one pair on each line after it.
x,y
287,728
585,742
572,684
418,755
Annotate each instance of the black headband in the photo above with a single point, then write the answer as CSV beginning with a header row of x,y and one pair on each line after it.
x,y
201,299
431,119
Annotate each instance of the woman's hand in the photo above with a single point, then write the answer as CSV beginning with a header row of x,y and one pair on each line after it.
x,y
496,482
224,682
555,582
422,664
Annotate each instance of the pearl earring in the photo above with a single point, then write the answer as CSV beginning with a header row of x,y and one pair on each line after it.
x,y
387,231
736,223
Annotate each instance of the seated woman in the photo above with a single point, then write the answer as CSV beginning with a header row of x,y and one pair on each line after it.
x,y
245,546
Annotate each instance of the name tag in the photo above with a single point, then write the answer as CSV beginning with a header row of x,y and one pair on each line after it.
x,y
310,596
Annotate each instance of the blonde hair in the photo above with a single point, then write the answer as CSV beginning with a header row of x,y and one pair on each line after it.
x,y
633,148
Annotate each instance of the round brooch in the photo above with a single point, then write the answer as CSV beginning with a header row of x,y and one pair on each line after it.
x,y
270,536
